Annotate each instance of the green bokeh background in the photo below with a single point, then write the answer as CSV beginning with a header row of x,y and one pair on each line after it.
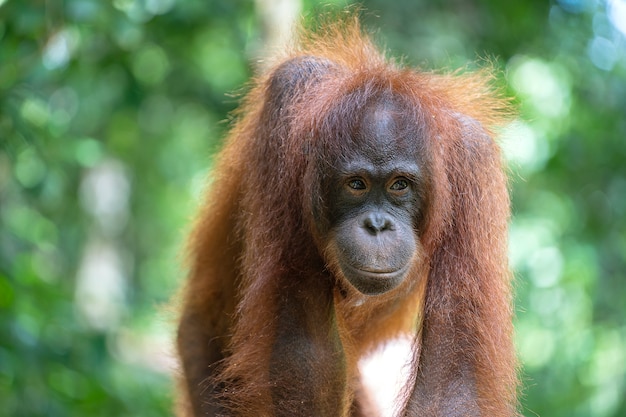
x,y
110,112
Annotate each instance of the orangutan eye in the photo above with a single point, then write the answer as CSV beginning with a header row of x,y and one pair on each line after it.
x,y
399,185
357,184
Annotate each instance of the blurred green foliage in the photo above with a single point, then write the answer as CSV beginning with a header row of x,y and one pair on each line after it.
x,y
109,115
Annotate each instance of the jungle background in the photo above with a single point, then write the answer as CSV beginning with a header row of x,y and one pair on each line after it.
x,y
110,112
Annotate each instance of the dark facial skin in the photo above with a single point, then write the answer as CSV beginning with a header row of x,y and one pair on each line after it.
x,y
376,203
